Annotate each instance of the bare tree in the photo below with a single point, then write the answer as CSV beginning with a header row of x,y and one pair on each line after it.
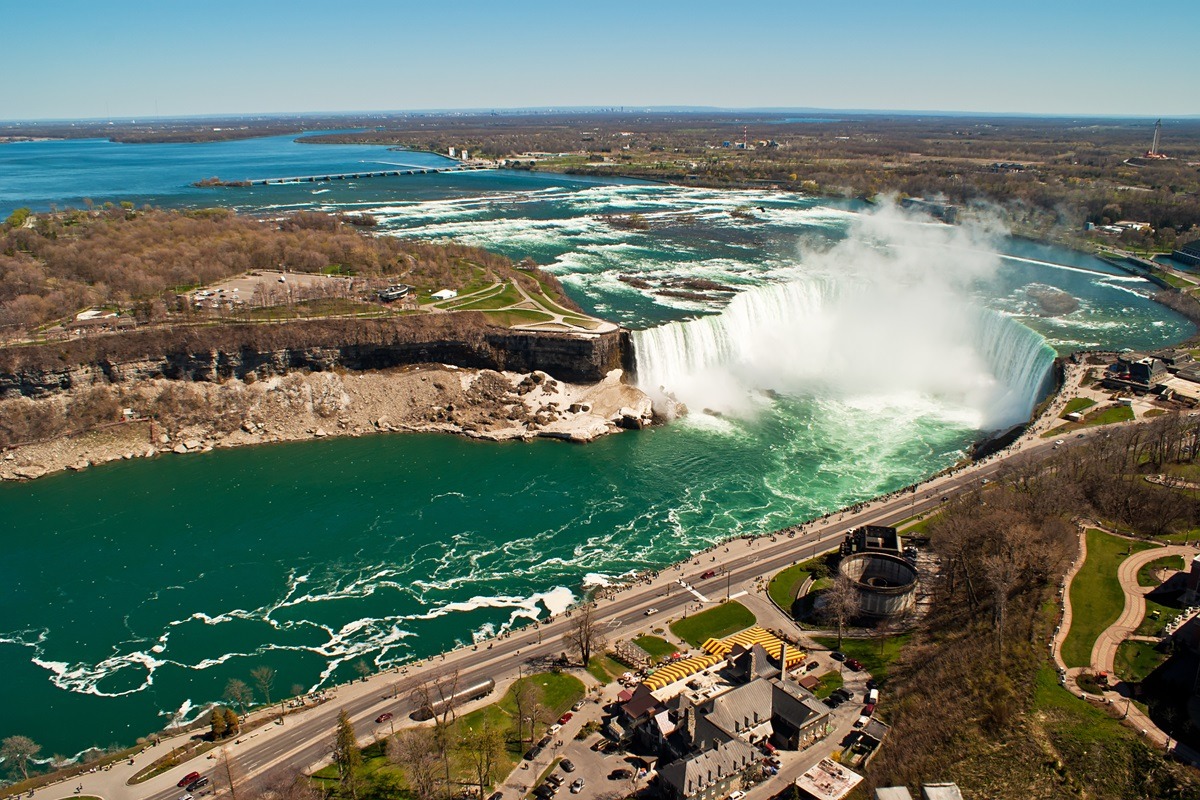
x,y
239,694
438,694
18,751
839,605
415,750
264,679
527,697
227,774
484,751
585,634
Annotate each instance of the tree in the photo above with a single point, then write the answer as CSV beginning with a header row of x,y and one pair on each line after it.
x,y
217,724
438,695
239,694
839,605
264,679
483,749
227,773
585,634
18,751
362,668
232,723
527,697
415,750
346,755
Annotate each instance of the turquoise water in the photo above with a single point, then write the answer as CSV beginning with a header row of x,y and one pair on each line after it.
x,y
854,353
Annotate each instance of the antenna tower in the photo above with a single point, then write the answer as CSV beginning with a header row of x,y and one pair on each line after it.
x,y
1157,131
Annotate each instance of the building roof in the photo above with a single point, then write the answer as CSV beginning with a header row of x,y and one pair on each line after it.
x,y
691,775
828,780
893,793
941,791
642,702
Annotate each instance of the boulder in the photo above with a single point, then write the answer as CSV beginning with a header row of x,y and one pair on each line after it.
x,y
180,449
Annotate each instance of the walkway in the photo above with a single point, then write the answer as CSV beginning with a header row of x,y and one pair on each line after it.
x,y
1104,651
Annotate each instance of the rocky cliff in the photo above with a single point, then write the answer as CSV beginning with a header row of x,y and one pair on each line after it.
x,y
256,351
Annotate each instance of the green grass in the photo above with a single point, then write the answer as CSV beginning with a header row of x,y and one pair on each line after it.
x,y
507,296
919,527
1152,625
655,646
605,669
714,623
1108,416
1096,596
518,316
783,587
1136,660
830,681
875,655
1146,575
1076,404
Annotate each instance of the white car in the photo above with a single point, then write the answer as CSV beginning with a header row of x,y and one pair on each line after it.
x,y
651,610
577,786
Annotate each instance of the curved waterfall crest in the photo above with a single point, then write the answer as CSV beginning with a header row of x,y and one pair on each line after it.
x,y
821,337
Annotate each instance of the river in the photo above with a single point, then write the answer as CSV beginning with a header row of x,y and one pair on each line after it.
x,y
846,352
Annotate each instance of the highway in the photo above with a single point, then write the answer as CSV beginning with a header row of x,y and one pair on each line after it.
x,y
305,739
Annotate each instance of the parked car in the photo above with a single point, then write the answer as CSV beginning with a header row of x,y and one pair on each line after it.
x,y
556,780
496,796
868,709
620,774
712,573
565,718
186,779
544,741
533,753
738,795
199,783
854,664
577,786
812,665
567,764
553,729
833,701
838,655
384,717
578,705
872,683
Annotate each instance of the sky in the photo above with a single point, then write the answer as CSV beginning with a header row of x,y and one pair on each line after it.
x,y
140,58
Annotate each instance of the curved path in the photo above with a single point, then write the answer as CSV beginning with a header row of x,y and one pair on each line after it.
x,y
1104,651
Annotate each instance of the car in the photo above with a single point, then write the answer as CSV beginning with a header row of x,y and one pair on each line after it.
x,y
854,664
199,783
185,797
577,786
186,779
598,746
533,753
868,709
555,780
872,684
738,795
620,774
838,655
1079,436
496,796
565,718
384,717
553,729
1059,441
812,665
833,701
567,764
651,610
578,705
712,573
544,792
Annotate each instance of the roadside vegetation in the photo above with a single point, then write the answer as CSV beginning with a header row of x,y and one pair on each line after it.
x,y
656,646
714,623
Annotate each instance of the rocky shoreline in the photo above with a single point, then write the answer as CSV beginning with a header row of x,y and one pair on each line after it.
x,y
481,404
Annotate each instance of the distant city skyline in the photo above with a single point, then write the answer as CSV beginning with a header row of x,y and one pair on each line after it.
x,y
86,60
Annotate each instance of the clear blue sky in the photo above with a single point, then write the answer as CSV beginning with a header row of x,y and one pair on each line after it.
x,y
95,59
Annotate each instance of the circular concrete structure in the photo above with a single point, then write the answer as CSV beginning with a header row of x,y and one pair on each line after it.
x,y
885,585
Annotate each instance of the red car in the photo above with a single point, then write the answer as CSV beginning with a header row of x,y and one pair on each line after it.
x,y
565,718
712,573
868,709
854,664
384,717
186,779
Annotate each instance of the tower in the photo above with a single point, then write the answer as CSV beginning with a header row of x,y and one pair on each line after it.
x,y
1157,133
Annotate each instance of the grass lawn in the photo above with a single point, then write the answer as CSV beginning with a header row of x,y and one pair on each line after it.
x,y
605,669
785,584
874,654
1076,404
1146,576
714,623
918,527
829,682
655,646
1136,660
1154,625
1096,596
1107,416
507,296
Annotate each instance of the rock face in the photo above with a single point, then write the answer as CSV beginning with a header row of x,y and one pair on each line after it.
x,y
255,352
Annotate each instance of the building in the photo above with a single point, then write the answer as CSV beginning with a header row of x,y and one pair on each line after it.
x,y
873,539
940,791
393,293
1136,372
893,793
828,780
445,294
709,775
1188,254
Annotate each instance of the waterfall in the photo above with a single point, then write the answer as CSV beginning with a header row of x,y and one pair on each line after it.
x,y
822,338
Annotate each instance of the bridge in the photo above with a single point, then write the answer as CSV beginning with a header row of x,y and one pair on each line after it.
x,y
384,173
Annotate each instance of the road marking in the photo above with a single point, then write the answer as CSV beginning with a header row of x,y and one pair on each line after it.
x,y
697,595
735,596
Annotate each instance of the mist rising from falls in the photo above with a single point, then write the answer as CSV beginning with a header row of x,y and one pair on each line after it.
x,y
885,320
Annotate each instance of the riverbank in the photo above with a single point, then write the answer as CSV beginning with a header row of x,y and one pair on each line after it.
x,y
481,404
